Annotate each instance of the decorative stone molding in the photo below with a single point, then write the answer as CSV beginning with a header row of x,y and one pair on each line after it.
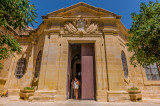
x,y
81,26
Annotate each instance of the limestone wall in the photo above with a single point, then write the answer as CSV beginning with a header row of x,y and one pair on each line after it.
x,y
37,48
13,83
4,72
111,84
137,77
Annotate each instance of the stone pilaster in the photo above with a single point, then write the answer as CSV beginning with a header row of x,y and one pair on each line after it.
x,y
114,64
48,72
62,71
51,75
114,67
41,83
101,75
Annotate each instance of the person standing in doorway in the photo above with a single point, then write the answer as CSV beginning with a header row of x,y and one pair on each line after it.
x,y
76,87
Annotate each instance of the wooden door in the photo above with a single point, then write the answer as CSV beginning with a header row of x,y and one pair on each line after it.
x,y
69,73
87,71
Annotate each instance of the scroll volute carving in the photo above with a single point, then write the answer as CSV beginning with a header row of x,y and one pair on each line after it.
x,y
81,26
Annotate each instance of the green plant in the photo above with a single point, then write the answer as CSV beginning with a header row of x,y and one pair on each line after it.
x,y
17,13
1,66
144,41
14,14
29,88
12,46
133,88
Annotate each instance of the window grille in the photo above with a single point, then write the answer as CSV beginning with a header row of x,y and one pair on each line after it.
x,y
152,72
20,68
124,63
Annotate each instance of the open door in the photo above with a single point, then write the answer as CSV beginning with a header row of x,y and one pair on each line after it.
x,y
88,88
69,73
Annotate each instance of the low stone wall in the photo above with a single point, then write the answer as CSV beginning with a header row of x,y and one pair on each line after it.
x,y
118,96
151,92
13,92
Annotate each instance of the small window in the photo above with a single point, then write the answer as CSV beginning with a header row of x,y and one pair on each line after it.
x,y
152,72
38,64
20,68
124,63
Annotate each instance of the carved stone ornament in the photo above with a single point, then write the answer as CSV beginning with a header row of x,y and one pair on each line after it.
x,y
81,26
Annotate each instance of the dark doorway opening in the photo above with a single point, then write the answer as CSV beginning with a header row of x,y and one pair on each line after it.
x,y
74,69
81,66
78,76
78,71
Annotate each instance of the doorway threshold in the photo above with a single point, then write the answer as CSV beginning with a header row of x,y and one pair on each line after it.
x,y
84,101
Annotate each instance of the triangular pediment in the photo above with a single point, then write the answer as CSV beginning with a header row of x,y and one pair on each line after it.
x,y
81,9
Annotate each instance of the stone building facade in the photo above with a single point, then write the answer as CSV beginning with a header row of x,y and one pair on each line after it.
x,y
78,41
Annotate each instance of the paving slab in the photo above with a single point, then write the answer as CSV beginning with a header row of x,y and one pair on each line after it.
x,y
15,101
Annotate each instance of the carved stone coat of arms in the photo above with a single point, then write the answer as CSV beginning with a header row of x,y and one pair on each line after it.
x,y
81,26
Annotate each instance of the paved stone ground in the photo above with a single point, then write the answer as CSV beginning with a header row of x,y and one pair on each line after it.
x,y
15,101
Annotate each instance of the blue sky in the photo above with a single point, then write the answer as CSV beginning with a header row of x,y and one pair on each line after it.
x,y
120,7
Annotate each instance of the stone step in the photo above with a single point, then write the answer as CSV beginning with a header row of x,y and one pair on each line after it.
x,y
13,92
41,98
44,93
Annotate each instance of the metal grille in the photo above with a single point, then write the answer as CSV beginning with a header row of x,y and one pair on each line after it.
x,y
152,72
38,64
20,68
124,63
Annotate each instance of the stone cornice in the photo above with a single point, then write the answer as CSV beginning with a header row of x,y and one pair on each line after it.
x,y
110,30
81,35
99,15
16,35
83,5
62,19
52,30
111,33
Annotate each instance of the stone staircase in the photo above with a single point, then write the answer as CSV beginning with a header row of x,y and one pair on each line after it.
x,y
43,96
